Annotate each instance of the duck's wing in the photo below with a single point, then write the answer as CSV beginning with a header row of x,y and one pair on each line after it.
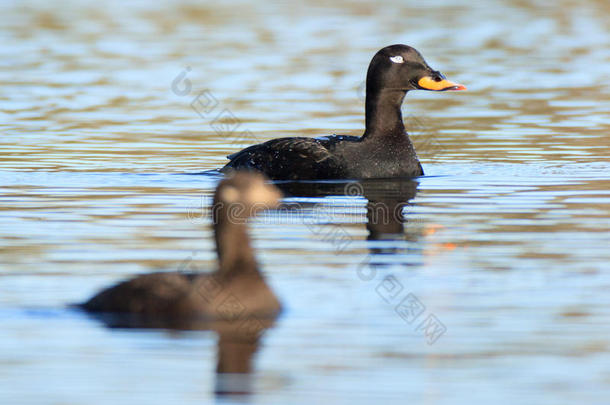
x,y
293,158
148,294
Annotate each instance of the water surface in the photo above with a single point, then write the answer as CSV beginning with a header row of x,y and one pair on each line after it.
x,y
504,242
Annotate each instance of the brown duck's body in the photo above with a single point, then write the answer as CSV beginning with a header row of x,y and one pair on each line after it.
x,y
383,151
236,290
180,295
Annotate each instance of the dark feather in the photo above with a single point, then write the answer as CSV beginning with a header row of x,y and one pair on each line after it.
x,y
293,158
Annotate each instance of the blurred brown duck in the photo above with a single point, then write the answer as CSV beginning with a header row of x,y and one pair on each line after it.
x,y
236,290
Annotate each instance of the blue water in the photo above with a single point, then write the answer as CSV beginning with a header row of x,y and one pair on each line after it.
x,y
503,246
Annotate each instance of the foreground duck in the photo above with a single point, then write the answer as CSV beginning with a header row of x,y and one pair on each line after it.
x,y
383,151
236,290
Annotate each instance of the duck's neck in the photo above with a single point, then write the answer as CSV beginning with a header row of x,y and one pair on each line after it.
x,y
235,254
383,115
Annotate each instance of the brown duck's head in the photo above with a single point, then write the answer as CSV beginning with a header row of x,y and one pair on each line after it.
x,y
400,67
244,194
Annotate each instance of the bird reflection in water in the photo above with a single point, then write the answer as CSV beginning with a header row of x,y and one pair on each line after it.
x,y
386,203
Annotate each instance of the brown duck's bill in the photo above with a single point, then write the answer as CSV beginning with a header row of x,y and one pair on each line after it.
x,y
428,83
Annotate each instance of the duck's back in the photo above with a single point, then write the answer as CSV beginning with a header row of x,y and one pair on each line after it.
x,y
298,158
329,157
149,294
176,295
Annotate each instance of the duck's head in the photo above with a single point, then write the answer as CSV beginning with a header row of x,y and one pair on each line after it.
x,y
244,194
400,67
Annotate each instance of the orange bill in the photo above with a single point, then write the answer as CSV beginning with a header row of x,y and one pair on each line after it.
x,y
428,83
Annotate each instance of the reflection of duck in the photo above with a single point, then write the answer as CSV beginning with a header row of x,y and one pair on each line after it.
x,y
383,151
236,290
236,347
384,209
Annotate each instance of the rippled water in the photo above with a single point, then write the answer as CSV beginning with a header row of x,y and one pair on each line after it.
x,y
108,110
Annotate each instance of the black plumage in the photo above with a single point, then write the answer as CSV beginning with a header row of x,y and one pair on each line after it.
x,y
383,151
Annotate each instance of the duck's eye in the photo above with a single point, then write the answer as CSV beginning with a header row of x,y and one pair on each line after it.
x,y
397,59
438,79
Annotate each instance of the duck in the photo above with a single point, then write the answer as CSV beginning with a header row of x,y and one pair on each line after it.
x,y
383,151
235,290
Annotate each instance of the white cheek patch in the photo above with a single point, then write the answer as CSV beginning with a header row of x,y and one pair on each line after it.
x,y
397,59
